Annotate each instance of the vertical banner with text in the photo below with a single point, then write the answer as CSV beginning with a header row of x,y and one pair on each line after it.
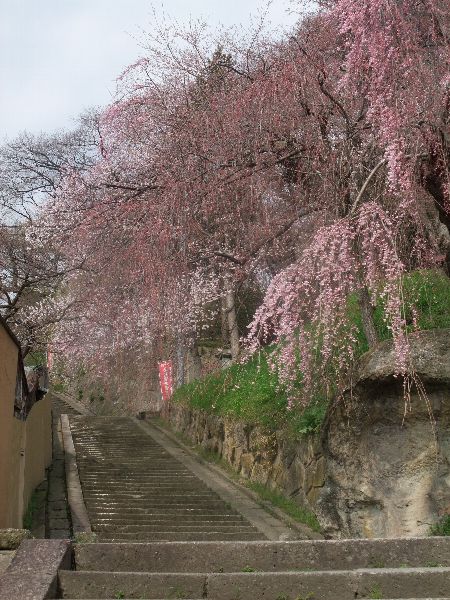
x,y
165,379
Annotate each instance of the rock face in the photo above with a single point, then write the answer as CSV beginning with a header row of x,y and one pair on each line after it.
x,y
381,468
388,463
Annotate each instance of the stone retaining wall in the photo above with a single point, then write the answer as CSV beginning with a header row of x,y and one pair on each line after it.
x,y
268,457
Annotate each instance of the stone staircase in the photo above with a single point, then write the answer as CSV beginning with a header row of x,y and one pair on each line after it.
x,y
299,570
135,490
163,533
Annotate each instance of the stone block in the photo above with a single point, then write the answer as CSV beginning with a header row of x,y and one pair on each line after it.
x,y
259,473
33,573
247,462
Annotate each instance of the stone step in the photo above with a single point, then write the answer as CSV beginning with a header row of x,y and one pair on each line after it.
x,y
130,476
152,487
136,479
167,536
108,449
117,460
170,510
137,497
155,463
141,514
150,504
166,527
193,499
320,555
168,482
149,480
101,444
153,468
163,518
97,506
115,476
170,513
122,467
153,496
104,450
324,585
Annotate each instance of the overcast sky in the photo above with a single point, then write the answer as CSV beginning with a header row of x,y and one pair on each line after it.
x,y
58,57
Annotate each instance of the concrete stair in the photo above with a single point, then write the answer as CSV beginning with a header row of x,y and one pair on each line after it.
x,y
298,570
165,534
135,490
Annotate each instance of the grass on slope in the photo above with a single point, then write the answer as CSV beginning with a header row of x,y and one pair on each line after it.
x,y
289,506
425,292
251,392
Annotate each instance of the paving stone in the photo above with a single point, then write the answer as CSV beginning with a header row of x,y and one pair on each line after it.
x,y
60,534
57,505
58,523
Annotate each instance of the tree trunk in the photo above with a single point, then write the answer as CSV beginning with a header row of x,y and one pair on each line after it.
x,y
193,365
230,307
224,323
367,317
181,353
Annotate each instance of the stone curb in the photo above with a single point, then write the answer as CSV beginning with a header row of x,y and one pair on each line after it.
x,y
33,573
78,511
270,508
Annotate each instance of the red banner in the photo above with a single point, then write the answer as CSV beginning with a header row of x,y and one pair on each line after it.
x,y
165,379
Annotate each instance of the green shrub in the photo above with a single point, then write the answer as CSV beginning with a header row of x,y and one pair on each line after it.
x,y
442,527
32,507
376,593
34,513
